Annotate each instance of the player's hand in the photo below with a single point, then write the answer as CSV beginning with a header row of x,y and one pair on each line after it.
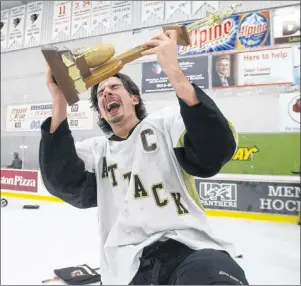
x,y
165,47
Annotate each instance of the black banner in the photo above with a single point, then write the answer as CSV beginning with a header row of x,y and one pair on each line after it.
x,y
250,196
155,80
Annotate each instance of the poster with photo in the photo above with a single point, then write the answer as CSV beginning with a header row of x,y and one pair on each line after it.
x,y
100,17
81,16
286,25
33,29
61,26
16,28
4,29
223,70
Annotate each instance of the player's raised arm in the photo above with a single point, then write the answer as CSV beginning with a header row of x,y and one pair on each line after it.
x,y
209,140
67,168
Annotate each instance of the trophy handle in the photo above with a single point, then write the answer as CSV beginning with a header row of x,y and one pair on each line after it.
x,y
114,65
105,71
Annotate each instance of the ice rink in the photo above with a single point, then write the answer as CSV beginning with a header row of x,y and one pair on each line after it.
x,y
35,242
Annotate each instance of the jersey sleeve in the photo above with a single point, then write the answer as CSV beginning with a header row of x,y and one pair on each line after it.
x,y
67,168
203,139
175,124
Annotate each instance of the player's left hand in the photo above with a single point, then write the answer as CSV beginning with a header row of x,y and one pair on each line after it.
x,y
165,47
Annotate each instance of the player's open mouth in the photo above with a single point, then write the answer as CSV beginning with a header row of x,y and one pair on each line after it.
x,y
113,107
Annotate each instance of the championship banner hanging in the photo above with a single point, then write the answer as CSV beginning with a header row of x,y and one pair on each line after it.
x,y
121,17
34,18
61,26
197,5
81,15
100,17
16,28
4,29
152,12
175,10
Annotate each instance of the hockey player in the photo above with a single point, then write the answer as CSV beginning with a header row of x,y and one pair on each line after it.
x,y
153,227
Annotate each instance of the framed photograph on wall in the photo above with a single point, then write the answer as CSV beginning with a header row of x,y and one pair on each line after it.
x,y
223,71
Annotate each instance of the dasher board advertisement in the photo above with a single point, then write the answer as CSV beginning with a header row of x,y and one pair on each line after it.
x,y
19,180
250,196
29,117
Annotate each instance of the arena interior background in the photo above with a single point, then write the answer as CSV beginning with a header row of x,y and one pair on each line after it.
x,y
269,138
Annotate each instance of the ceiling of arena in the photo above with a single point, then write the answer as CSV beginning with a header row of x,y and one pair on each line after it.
x,y
11,4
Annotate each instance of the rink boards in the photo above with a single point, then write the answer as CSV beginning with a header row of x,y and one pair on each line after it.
x,y
270,198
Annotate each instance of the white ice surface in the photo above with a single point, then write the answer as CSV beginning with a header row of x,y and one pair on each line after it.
x,y
35,242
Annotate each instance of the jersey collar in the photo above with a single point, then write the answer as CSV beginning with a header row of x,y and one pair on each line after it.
x,y
114,137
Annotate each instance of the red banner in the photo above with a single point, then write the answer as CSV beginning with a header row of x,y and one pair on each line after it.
x,y
19,180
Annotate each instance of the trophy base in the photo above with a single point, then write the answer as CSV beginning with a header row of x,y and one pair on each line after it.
x,y
61,74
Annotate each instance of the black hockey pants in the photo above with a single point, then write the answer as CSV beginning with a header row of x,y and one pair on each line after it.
x,y
173,263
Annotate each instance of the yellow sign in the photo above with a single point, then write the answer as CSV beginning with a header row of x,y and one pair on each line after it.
x,y
244,153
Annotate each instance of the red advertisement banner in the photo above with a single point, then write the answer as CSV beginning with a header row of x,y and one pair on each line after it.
x,y
19,180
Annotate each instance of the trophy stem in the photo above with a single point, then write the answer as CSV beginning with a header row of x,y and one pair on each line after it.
x,y
132,54
114,65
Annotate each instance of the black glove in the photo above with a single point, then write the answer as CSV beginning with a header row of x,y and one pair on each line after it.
x,y
79,275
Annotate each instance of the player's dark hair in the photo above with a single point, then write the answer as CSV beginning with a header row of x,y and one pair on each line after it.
x,y
131,88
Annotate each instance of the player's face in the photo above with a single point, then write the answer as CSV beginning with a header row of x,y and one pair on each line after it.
x,y
114,101
223,67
